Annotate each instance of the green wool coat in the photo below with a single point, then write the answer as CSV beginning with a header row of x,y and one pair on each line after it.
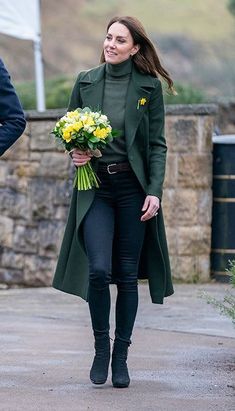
x,y
146,150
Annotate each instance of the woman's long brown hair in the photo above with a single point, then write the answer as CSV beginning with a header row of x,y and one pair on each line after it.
x,y
146,59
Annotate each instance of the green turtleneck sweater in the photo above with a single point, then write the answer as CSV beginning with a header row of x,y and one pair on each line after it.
x,y
117,77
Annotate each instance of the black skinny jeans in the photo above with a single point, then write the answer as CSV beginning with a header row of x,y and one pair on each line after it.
x,y
114,215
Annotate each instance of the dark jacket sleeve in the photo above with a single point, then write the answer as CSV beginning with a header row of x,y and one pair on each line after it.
x,y
157,142
12,119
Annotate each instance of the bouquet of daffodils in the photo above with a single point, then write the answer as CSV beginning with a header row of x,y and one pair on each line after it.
x,y
88,131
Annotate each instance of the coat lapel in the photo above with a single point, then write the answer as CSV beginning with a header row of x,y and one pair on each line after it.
x,y
92,89
140,87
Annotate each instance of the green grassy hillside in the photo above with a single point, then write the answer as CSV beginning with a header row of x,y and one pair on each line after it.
x,y
199,19
195,39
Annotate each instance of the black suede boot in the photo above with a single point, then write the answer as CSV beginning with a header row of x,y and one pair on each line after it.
x,y
100,366
120,375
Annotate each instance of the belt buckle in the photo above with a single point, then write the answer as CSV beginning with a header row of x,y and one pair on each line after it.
x,y
110,165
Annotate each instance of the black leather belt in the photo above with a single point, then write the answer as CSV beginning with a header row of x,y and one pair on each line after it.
x,y
114,167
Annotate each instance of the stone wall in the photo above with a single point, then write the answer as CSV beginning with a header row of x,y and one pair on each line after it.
x,y
36,182
188,196
225,119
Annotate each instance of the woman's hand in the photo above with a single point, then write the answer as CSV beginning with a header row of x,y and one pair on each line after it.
x,y
79,157
151,207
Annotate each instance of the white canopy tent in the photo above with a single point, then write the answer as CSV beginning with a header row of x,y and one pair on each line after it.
x,y
21,19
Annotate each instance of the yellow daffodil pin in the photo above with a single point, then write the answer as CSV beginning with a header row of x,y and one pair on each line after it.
x,y
141,102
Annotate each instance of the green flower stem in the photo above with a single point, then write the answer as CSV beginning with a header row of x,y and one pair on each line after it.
x,y
85,178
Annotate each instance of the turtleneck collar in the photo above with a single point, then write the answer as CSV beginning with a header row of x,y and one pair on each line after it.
x,y
120,69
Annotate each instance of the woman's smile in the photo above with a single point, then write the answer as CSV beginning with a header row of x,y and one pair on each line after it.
x,y
111,53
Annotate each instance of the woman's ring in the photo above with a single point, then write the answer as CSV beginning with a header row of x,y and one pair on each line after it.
x,y
156,213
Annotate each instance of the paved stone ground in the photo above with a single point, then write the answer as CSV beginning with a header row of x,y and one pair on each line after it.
x,y
181,359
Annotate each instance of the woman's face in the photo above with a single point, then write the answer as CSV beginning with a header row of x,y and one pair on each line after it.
x,y
118,44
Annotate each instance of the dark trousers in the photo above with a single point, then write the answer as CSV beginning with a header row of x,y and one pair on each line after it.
x,y
114,218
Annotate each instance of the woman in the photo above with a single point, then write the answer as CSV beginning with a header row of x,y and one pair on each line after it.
x,y
116,233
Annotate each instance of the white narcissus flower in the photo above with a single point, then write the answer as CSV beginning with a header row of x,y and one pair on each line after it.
x,y
88,128
103,118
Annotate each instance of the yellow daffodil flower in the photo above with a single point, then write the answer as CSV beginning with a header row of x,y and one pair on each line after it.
x,y
73,114
100,133
88,121
77,126
141,102
67,136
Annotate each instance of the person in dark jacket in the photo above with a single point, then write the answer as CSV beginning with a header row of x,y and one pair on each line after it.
x,y
115,234
12,119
